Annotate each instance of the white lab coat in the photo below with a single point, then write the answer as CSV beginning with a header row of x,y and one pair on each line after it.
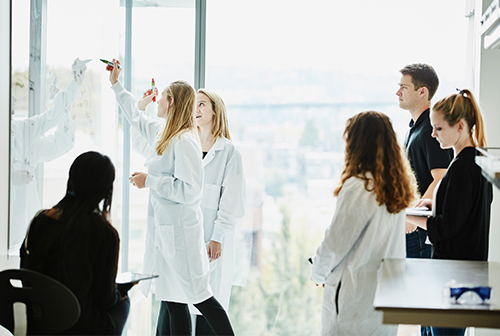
x,y
223,206
31,146
174,238
361,235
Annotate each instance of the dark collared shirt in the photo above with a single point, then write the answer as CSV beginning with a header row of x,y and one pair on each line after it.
x,y
424,152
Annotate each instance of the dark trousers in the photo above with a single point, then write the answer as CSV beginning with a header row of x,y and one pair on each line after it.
x,y
448,331
174,318
416,246
202,327
119,315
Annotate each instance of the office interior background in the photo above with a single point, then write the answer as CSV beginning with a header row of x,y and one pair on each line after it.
x,y
290,72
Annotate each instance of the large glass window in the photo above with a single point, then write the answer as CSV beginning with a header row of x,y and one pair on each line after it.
x,y
62,105
291,74
53,123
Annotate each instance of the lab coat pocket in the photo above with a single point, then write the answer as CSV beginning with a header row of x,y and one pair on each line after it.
x,y
211,196
166,241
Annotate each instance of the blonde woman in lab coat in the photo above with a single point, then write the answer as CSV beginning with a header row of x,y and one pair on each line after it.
x,y
369,225
223,203
175,249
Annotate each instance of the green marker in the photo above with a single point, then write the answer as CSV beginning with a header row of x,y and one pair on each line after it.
x,y
110,63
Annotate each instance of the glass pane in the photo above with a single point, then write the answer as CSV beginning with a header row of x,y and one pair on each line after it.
x,y
291,74
47,138
21,176
162,48
63,105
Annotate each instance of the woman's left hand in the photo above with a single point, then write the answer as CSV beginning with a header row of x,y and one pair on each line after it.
x,y
146,99
424,203
138,179
214,250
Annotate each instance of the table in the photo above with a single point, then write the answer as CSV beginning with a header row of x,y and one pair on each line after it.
x,y
410,291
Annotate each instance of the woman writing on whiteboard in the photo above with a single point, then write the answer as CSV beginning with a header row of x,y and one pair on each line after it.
x,y
460,223
175,249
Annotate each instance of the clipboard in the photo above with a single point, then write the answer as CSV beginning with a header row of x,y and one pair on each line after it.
x,y
129,277
420,212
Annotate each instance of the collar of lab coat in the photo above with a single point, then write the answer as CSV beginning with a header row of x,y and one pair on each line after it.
x,y
218,145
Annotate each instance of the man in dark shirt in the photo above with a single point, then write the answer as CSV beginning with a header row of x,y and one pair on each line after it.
x,y
417,86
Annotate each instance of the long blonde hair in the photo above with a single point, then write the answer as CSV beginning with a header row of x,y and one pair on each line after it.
x,y
220,124
180,115
462,105
372,149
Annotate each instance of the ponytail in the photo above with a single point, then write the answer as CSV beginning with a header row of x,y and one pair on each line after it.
x,y
463,105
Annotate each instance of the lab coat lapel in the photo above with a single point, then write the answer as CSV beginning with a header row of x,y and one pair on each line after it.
x,y
218,145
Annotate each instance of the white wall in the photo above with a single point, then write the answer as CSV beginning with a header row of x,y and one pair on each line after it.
x,y
487,89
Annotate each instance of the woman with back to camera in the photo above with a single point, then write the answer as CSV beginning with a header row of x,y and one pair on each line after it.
x,y
75,244
369,225
174,239
460,223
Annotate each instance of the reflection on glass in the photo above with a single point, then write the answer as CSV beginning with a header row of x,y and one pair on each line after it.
x,y
31,144
56,102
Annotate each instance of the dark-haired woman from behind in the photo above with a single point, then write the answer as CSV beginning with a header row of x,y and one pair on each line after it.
x,y
75,244
369,225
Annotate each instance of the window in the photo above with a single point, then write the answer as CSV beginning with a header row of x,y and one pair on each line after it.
x,y
291,74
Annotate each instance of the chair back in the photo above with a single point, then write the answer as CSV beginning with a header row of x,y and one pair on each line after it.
x,y
50,306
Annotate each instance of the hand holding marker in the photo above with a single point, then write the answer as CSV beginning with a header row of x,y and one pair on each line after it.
x,y
110,63
153,86
110,66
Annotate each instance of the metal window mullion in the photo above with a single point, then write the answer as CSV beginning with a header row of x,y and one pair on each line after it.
x,y
127,67
37,65
5,123
200,44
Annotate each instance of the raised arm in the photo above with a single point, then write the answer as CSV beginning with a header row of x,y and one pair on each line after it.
x,y
52,146
146,126
37,125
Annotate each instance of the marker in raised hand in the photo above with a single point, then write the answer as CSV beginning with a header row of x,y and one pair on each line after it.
x,y
110,63
153,86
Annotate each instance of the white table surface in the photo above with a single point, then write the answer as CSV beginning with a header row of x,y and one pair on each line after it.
x,y
410,291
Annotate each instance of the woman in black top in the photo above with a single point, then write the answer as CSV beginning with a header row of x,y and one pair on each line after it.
x,y
460,224
75,244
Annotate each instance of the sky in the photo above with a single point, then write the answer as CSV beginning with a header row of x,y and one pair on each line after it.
x,y
363,36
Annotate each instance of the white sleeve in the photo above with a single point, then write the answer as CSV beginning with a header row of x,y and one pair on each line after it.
x,y
232,200
139,143
185,186
352,214
39,124
55,145
146,126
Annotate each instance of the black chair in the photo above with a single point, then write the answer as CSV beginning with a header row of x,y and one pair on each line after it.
x,y
50,306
